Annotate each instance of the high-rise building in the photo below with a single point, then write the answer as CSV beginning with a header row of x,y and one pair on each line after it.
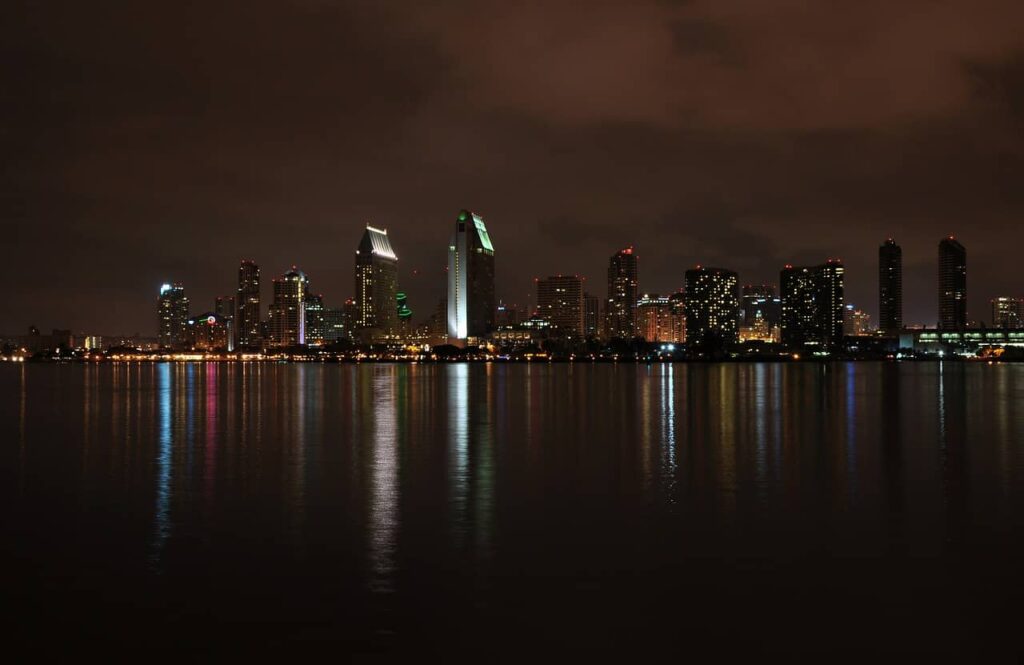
x,y
209,332
316,326
172,316
677,308
856,321
952,284
620,307
591,316
340,322
404,314
812,305
560,301
286,322
334,325
225,306
712,308
1008,312
890,287
247,318
659,319
471,303
376,282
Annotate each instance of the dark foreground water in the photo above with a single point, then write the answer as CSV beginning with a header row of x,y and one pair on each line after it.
x,y
496,509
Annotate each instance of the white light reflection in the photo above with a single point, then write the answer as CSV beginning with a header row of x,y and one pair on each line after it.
x,y
458,446
162,523
668,414
384,488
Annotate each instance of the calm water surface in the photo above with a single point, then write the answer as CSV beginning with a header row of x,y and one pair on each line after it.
x,y
737,508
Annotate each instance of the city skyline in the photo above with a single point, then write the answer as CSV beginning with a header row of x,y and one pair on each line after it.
x,y
678,136
376,242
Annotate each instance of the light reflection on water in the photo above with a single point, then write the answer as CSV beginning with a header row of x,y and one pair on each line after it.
x,y
467,483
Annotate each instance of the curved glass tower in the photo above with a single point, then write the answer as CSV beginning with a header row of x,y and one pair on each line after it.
x,y
470,278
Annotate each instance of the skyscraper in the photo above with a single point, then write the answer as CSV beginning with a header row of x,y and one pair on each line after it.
x,y
658,318
376,281
812,305
952,285
286,322
471,303
620,307
856,322
172,316
591,316
316,325
712,309
890,287
677,310
225,306
1007,312
560,301
247,320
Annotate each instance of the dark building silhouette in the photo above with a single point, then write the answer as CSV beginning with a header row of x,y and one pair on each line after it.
x,y
591,316
712,309
172,317
1007,312
620,307
247,319
560,301
812,305
760,302
225,306
890,287
952,285
471,301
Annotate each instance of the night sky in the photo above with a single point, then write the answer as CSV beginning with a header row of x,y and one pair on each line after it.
x,y
147,142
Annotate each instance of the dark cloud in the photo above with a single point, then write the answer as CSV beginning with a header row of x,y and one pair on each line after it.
x,y
150,142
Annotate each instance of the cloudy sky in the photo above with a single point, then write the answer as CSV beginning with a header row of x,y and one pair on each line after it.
x,y
145,142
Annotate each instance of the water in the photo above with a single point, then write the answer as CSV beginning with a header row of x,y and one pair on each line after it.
x,y
494,509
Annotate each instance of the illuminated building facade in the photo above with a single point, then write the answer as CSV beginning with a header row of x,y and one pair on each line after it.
x,y
376,282
856,321
316,326
1007,312
247,318
620,307
209,332
471,302
712,308
952,285
890,287
677,306
172,316
812,305
286,323
660,319
560,301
